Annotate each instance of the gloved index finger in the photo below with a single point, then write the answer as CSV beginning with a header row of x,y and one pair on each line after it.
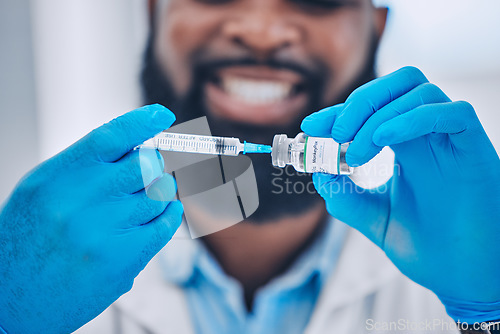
x,y
114,139
369,98
319,124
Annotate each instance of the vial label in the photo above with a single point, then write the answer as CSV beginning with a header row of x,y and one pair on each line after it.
x,y
321,155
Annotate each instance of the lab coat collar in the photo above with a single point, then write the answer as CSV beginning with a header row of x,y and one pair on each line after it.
x,y
157,303
360,270
179,266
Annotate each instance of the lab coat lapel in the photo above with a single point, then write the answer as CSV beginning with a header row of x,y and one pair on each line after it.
x,y
362,269
158,305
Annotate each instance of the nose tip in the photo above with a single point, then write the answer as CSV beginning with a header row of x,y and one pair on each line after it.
x,y
263,35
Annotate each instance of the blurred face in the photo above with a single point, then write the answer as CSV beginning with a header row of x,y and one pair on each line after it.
x,y
256,68
263,62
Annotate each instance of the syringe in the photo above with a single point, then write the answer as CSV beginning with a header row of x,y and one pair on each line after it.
x,y
178,142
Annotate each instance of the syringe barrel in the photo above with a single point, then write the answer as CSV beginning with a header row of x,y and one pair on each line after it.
x,y
190,143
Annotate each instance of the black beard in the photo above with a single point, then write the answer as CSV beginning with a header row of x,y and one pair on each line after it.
x,y
281,193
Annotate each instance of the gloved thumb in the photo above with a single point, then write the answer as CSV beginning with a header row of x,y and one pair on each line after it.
x,y
366,210
114,139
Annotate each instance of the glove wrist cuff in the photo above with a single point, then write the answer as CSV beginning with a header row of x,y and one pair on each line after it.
x,y
471,312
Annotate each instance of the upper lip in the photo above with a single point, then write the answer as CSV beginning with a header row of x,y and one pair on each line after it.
x,y
299,73
263,73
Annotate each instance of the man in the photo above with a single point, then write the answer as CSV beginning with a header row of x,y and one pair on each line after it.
x,y
256,68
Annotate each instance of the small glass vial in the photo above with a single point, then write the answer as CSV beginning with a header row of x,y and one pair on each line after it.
x,y
310,154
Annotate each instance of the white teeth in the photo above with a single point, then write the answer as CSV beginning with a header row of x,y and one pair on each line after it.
x,y
256,91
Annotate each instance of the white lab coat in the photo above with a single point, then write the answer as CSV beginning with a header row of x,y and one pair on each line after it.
x,y
365,293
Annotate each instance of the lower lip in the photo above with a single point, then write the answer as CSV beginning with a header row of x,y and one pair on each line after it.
x,y
223,105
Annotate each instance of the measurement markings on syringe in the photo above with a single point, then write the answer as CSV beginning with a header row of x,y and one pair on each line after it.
x,y
219,146
177,142
197,144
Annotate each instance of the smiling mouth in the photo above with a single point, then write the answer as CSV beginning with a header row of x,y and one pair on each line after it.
x,y
257,92
256,95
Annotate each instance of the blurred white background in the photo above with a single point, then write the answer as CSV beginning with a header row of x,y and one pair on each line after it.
x,y
67,66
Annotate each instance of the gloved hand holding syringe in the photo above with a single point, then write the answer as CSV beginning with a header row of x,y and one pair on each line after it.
x,y
304,153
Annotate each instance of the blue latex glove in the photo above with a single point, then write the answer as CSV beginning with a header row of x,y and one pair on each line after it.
x,y
438,218
79,228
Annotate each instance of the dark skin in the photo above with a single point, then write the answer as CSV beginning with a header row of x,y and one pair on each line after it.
x,y
336,33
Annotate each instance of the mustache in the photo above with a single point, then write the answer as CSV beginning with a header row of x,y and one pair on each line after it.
x,y
311,72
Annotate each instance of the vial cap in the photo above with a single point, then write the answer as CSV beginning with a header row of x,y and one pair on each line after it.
x,y
279,153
